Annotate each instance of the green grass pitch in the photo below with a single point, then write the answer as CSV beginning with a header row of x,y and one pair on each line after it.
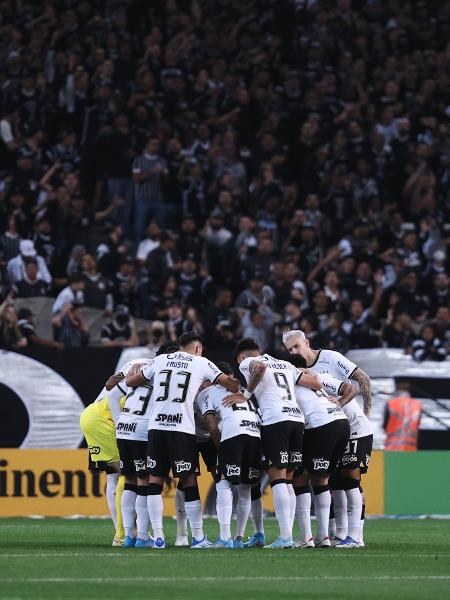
x,y
59,558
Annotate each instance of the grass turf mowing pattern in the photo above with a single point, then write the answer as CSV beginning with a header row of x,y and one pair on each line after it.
x,y
58,558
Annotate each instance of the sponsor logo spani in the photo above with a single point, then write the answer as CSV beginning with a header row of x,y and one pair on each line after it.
x,y
169,419
291,410
126,427
250,424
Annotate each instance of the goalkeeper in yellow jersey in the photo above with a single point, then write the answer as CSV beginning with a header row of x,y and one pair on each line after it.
x,y
98,424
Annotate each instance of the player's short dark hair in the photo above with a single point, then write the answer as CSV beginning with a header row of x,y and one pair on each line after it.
x,y
167,348
188,338
297,360
245,344
225,367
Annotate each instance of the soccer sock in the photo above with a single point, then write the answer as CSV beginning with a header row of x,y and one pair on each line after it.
x,y
293,502
120,532
111,485
282,506
322,503
340,513
354,504
224,508
128,504
180,511
194,511
363,515
155,508
303,511
332,523
142,516
256,510
243,508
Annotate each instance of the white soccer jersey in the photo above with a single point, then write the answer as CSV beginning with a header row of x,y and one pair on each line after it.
x,y
176,379
239,419
114,396
276,391
316,406
133,420
335,363
201,427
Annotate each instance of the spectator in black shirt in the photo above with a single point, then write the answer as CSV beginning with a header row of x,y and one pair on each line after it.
x,y
97,289
30,286
334,336
428,346
121,331
28,330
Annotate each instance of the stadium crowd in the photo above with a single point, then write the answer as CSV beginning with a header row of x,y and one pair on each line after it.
x,y
228,167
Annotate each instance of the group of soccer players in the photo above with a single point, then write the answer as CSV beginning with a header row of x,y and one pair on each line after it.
x,y
297,419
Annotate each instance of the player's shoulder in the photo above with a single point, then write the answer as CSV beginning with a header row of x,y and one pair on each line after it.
x,y
245,364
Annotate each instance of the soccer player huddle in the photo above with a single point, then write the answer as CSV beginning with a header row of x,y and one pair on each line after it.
x,y
297,419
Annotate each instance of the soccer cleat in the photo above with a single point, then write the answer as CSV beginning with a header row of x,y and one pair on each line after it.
x,y
140,543
348,543
224,543
281,543
301,543
117,543
159,543
203,543
257,540
334,540
182,541
129,542
238,542
322,542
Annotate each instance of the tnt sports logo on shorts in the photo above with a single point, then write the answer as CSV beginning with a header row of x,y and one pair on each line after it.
x,y
121,465
182,465
284,458
253,473
151,464
139,464
347,459
94,450
233,470
320,463
367,459
296,457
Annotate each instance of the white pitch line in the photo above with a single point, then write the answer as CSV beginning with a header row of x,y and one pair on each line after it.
x,y
212,554
224,579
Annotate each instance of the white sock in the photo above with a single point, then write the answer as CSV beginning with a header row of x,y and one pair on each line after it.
x,y
155,510
111,484
293,500
354,507
322,503
142,517
257,514
363,513
303,515
224,508
195,518
243,508
282,506
340,513
181,513
127,506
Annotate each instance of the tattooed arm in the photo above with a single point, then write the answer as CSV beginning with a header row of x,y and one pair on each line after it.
x,y
364,385
257,369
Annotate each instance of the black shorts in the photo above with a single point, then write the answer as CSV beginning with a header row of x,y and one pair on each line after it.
x,y
357,454
323,447
208,451
239,459
282,444
174,450
133,458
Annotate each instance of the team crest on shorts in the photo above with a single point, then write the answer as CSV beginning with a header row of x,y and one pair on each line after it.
x,y
284,458
233,470
139,464
320,463
151,464
182,465
94,450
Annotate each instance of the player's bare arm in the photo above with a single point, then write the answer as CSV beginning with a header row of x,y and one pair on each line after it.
x,y
347,392
310,380
230,383
364,385
135,379
114,380
213,428
257,369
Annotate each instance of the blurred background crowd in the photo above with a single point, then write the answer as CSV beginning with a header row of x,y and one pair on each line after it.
x,y
235,167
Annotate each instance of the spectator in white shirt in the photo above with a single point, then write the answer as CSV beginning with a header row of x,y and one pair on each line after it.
x,y
72,294
148,244
16,266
